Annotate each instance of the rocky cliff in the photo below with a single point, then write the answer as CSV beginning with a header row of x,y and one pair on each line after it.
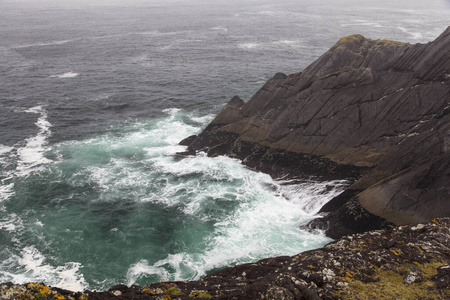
x,y
375,111
372,110
408,262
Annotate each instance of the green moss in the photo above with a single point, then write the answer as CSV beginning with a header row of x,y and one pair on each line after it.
x,y
199,294
350,38
389,42
391,285
39,296
174,291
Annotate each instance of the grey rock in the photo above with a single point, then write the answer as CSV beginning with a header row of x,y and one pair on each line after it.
x,y
374,111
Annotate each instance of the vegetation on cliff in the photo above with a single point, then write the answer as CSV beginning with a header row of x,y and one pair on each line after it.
x,y
407,262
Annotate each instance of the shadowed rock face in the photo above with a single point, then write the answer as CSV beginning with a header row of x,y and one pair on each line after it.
x,y
372,110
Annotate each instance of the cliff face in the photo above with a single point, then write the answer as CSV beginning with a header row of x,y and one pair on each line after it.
x,y
372,110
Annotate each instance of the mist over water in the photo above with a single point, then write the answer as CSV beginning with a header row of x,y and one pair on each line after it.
x,y
95,97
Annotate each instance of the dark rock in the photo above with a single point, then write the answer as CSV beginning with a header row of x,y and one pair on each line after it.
x,y
309,295
375,111
279,76
442,278
339,201
187,141
347,268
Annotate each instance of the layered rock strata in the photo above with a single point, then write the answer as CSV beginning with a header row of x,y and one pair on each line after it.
x,y
408,262
371,110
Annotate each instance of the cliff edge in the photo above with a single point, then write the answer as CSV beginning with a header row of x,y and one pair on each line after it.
x,y
407,262
375,111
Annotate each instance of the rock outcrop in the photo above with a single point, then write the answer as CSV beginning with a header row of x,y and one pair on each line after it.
x,y
375,111
408,262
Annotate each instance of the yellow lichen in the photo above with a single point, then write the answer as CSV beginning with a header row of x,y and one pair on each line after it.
x,y
390,285
355,37
83,297
350,274
398,252
199,294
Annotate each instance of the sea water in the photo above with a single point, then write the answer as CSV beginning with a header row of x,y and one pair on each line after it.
x,y
95,97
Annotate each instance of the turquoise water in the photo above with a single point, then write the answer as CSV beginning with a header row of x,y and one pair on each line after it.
x,y
123,208
96,95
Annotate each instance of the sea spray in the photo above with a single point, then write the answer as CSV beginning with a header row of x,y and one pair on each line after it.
x,y
122,207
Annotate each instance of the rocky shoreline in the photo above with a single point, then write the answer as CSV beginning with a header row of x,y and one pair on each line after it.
x,y
372,111
375,112
406,262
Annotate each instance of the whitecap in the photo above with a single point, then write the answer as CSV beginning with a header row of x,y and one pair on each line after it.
x,y
12,223
159,33
6,190
220,28
265,224
5,153
5,149
142,268
289,43
31,156
369,24
35,269
66,75
249,46
42,44
202,119
415,35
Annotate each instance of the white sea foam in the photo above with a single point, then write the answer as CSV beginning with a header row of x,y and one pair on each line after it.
x,y
261,216
35,269
271,45
202,119
361,23
12,223
265,224
6,190
31,156
249,46
415,35
6,181
312,195
5,149
289,43
159,33
65,75
143,268
42,44
220,28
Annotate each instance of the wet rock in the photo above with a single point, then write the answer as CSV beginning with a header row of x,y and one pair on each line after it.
x,y
413,264
374,111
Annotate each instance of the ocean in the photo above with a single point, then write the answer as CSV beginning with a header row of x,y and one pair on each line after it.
x,y
96,95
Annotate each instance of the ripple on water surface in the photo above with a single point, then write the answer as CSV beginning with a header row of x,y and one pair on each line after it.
x,y
122,208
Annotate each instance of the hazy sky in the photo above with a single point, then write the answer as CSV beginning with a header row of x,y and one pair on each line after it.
x,y
405,3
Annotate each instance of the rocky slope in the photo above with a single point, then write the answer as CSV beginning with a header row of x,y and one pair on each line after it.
x,y
376,111
372,110
408,262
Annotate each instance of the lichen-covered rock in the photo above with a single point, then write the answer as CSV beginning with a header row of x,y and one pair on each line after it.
x,y
407,262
